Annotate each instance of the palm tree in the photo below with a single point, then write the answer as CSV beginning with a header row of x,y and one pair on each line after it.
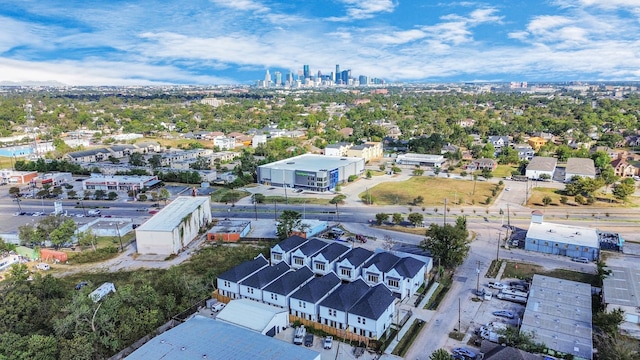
x,y
338,199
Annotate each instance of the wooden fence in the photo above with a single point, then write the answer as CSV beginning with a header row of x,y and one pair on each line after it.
x,y
347,335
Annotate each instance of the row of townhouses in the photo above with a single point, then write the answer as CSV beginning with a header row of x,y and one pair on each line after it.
x,y
328,283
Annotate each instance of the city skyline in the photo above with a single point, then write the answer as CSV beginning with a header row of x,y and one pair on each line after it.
x,y
205,42
306,77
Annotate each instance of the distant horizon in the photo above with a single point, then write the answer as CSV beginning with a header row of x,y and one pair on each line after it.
x,y
143,42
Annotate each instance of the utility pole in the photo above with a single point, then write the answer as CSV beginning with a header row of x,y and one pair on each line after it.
x,y
508,223
275,210
478,281
445,211
498,250
255,206
459,314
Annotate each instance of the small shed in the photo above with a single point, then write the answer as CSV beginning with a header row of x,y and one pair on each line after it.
x,y
102,291
229,230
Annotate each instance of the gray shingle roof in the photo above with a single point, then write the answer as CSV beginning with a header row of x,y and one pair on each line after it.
x,y
581,166
373,304
384,261
243,270
333,251
542,163
357,256
266,275
291,242
408,267
317,288
346,295
288,282
312,247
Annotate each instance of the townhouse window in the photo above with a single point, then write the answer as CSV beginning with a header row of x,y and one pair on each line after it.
x,y
345,272
277,256
320,266
226,283
299,303
358,319
393,283
299,261
372,278
364,321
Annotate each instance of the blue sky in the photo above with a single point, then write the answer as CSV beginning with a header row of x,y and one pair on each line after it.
x,y
119,42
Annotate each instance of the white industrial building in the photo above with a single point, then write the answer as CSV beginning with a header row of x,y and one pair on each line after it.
x,y
540,165
119,182
579,167
310,172
421,160
259,317
175,226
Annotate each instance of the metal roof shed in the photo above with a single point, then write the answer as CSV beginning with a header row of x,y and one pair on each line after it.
x,y
255,316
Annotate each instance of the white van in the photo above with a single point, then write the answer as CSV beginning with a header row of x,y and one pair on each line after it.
x,y
299,335
217,306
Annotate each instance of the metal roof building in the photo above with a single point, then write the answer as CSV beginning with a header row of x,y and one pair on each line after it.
x,y
204,338
621,289
541,165
255,316
558,314
561,239
174,227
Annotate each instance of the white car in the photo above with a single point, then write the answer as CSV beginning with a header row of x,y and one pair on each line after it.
x,y
328,342
497,285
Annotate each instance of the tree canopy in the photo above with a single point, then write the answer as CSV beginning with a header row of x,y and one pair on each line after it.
x,y
447,244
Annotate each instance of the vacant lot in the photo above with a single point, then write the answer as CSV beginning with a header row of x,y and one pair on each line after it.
x,y
602,200
433,191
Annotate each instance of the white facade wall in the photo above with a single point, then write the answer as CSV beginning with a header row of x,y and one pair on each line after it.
x,y
373,328
317,267
228,288
346,265
274,299
248,292
304,309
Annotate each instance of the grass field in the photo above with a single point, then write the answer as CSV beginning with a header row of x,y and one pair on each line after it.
x,y
5,162
433,190
602,200
523,271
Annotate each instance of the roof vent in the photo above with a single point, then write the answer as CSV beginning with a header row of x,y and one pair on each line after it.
x,y
162,341
183,348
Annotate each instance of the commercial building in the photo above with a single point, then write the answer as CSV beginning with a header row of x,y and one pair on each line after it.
x,y
310,172
119,182
368,151
540,165
561,239
229,230
579,167
255,316
203,338
175,226
621,289
558,315
420,160
9,176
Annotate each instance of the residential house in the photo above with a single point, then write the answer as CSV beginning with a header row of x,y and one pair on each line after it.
x,y
349,266
623,169
333,310
229,281
282,250
406,276
305,301
452,149
251,287
633,140
277,293
481,164
337,149
537,142
324,261
372,314
582,167
368,151
302,255
525,152
498,142
376,269
466,123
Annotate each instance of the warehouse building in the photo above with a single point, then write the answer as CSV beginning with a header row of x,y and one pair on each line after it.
x,y
558,315
621,290
310,172
203,338
421,160
561,239
175,226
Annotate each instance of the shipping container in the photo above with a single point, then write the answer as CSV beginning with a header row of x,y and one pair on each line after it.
x,y
50,255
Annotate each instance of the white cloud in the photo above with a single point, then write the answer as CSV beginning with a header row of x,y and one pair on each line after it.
x,y
242,5
364,9
397,37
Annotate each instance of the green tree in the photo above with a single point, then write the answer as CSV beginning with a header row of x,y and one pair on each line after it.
x,y
601,159
87,238
418,172
155,161
486,173
448,243
137,159
440,354
164,195
547,200
418,200
288,222
112,195
100,194
609,322
624,188
415,218
27,234
201,163
258,198
63,233
381,218
397,218
336,200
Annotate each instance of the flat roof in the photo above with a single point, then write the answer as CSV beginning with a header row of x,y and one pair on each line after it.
x,y
201,337
566,234
171,215
622,286
229,226
558,314
120,178
542,163
421,156
580,166
249,314
312,162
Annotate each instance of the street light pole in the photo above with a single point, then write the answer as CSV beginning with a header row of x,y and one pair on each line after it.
x,y
498,250
119,237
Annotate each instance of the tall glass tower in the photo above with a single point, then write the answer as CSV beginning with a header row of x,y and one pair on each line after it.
x,y
305,71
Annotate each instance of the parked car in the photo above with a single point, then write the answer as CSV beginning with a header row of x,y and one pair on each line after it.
x,y
504,313
580,260
308,340
328,342
81,284
464,352
497,285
